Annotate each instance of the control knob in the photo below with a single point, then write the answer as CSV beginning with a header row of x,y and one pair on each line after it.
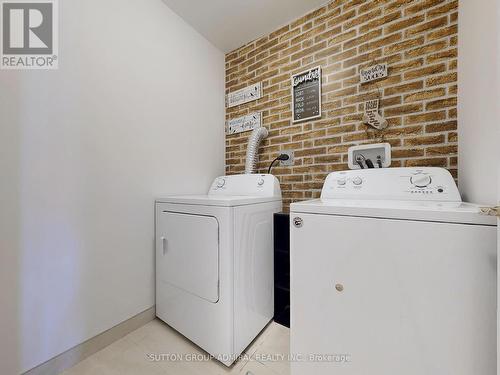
x,y
221,182
260,182
357,181
421,180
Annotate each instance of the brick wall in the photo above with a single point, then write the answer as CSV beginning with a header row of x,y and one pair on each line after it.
x,y
417,38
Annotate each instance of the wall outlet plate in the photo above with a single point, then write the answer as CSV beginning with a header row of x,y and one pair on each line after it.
x,y
290,161
372,152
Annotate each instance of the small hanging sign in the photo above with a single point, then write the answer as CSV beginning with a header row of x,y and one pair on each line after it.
x,y
306,95
244,123
373,73
244,95
372,117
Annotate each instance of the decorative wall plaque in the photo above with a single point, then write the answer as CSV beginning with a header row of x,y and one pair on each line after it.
x,y
372,117
244,123
244,95
373,73
306,95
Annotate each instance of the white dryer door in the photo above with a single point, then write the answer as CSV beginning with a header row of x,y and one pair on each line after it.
x,y
187,253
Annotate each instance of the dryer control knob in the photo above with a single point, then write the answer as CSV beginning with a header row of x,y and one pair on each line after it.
x,y
341,182
421,180
260,182
357,181
221,182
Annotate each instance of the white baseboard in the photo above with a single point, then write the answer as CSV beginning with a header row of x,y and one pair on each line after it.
x,y
72,356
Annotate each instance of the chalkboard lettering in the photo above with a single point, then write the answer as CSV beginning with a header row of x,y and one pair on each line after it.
x,y
306,95
311,75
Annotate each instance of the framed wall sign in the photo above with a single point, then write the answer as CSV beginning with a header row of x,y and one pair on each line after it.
x,y
306,95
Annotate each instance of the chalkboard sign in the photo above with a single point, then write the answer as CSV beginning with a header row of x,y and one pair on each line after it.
x,y
306,95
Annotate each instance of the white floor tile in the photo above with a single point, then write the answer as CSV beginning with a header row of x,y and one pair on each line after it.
x,y
250,350
123,357
87,366
257,368
158,338
140,352
275,348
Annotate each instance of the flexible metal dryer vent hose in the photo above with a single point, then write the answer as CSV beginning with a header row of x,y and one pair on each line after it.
x,y
257,136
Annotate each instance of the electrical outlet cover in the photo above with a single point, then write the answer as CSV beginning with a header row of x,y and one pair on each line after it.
x,y
290,161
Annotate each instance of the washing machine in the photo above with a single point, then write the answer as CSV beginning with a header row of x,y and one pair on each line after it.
x,y
214,262
392,274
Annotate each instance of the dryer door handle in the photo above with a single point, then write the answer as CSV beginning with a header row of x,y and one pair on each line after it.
x,y
164,244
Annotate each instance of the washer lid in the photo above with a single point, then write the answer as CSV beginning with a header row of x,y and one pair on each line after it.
x,y
216,200
449,212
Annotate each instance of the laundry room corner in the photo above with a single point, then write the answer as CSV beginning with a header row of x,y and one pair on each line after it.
x,y
249,187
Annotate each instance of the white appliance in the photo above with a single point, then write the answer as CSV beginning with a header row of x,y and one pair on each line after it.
x,y
214,262
392,274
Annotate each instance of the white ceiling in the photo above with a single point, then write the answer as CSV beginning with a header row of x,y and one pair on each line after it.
x,y
229,24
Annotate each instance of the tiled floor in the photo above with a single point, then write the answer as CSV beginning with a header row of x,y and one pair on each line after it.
x,y
133,355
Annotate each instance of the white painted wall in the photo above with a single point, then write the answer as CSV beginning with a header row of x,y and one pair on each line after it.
x,y
135,110
479,98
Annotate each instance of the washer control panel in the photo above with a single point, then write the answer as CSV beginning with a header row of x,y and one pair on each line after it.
x,y
246,185
426,183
